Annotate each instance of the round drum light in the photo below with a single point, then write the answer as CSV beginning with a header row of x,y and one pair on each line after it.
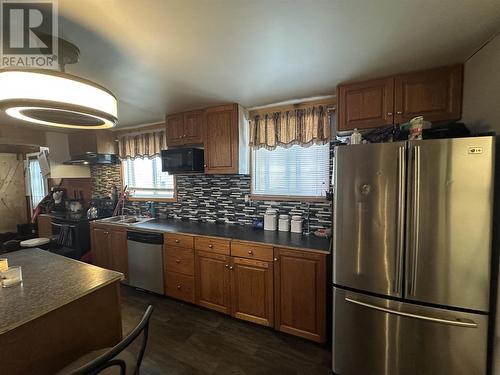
x,y
52,98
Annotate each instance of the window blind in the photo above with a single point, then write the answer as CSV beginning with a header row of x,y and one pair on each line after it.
x,y
294,171
144,178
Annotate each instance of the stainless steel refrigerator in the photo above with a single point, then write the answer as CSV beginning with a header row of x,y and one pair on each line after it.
x,y
412,257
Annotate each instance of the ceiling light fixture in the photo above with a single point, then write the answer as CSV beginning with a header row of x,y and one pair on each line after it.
x,y
55,98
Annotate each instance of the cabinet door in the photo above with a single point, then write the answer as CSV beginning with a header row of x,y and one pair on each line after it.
x,y
435,94
175,129
100,247
252,291
221,139
300,293
118,255
212,281
193,127
366,104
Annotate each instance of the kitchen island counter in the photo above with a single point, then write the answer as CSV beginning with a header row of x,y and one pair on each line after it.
x,y
63,309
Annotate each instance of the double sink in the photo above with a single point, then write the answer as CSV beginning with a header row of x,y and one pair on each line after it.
x,y
126,220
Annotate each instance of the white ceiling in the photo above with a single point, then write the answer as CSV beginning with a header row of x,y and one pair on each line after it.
x,y
163,56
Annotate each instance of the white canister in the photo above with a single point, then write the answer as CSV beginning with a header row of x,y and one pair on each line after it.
x,y
270,219
296,224
284,223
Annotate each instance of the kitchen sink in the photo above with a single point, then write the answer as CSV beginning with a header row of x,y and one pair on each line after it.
x,y
125,219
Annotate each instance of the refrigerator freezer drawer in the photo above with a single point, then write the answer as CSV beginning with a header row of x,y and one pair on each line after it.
x,y
377,336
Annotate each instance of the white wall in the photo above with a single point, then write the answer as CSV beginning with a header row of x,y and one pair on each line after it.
x,y
481,110
58,153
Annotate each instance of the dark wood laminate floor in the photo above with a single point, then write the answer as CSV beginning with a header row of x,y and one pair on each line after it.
x,y
186,339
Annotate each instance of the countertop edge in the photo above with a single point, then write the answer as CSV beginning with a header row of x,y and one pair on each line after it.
x,y
138,228
64,303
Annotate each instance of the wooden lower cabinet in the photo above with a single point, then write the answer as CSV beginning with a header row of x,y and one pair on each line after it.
x,y
212,278
252,291
300,293
109,248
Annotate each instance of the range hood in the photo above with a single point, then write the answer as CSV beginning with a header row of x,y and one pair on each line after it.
x,y
92,158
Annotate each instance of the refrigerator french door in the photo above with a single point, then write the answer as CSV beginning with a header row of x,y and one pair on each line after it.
x,y
412,253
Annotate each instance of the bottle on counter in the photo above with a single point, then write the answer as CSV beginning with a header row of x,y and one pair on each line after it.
x,y
270,219
356,137
284,223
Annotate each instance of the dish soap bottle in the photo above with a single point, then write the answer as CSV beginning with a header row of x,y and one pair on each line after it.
x,y
355,137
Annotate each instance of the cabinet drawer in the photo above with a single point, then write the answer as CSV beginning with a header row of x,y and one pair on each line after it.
x,y
251,251
212,245
179,240
178,259
180,286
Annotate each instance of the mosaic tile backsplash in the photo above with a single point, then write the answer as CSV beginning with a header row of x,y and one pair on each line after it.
x,y
213,198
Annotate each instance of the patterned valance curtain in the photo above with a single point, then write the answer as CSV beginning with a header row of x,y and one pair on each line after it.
x,y
143,144
304,127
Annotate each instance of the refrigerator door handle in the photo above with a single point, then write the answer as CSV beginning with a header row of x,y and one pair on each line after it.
x,y
416,221
465,323
400,219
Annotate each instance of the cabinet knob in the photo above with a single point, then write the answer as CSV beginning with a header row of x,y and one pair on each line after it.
x,y
227,266
230,267
177,241
389,113
177,261
179,286
250,252
210,246
275,259
205,165
399,112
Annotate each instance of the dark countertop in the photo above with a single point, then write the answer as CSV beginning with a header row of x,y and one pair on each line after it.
x,y
237,232
49,282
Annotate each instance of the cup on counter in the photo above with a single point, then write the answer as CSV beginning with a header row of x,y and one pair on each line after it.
x,y
4,264
12,276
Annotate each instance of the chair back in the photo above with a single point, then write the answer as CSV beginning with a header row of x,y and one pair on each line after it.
x,y
109,359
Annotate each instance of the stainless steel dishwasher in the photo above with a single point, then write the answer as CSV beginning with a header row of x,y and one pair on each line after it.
x,y
145,261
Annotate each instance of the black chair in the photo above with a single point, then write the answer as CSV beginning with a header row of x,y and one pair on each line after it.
x,y
115,360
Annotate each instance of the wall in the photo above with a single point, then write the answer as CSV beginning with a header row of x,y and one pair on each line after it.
x,y
12,193
21,135
481,110
59,153
214,198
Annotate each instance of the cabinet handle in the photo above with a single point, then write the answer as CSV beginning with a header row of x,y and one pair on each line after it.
x,y
179,286
250,252
389,113
230,267
399,112
177,261
205,165
227,266
177,241
210,246
276,259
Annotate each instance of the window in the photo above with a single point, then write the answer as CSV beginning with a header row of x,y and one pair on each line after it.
x,y
295,171
144,178
37,184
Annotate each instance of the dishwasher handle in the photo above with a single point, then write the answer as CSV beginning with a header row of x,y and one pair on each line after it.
x,y
145,237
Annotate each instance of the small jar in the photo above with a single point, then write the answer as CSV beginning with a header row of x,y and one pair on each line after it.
x,y
284,223
296,224
270,219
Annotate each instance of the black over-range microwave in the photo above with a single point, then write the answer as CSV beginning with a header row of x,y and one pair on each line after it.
x,y
182,160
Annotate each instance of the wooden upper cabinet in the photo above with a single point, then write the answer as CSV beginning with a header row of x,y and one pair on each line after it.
x,y
252,291
365,105
435,94
221,139
300,293
193,127
212,281
175,129
97,141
